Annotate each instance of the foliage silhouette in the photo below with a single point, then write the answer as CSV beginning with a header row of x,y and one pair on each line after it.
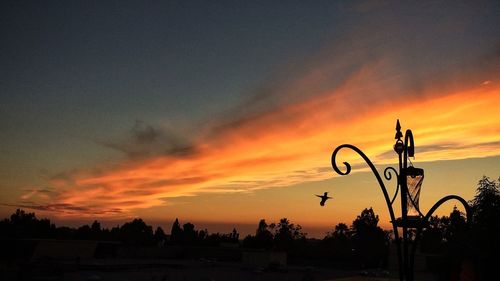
x,y
284,236
188,235
176,232
338,244
486,228
370,242
486,203
454,244
263,238
26,225
135,232
473,248
160,237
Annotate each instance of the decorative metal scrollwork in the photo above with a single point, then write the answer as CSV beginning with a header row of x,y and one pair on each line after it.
x,y
388,176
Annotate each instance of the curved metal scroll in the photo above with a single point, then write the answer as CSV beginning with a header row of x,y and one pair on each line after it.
x,y
372,167
388,176
450,197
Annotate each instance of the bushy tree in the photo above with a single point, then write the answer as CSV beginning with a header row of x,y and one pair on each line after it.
x,y
486,226
341,232
136,232
337,244
26,225
188,234
432,236
159,237
263,237
486,203
282,236
286,234
176,232
369,241
454,226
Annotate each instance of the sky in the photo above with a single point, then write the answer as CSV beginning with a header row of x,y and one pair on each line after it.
x,y
222,113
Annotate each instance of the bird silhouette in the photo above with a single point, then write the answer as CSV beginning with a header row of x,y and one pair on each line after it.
x,y
323,197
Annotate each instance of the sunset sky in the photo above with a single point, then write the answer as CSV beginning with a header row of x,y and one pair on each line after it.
x,y
225,112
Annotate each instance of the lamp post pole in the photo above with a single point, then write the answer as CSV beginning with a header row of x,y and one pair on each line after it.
x,y
404,149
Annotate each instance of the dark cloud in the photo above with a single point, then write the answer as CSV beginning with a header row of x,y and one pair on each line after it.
x,y
65,208
442,147
145,140
173,182
46,191
144,134
451,146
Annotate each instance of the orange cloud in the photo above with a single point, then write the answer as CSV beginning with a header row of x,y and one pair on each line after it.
x,y
292,143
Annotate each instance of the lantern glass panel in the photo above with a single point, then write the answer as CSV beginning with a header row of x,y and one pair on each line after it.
x,y
414,179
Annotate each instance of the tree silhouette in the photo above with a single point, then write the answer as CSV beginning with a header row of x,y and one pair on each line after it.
x,y
370,241
188,234
95,227
341,231
338,243
486,227
159,237
486,203
234,236
26,225
286,233
136,232
176,232
285,237
263,236
366,220
83,232
455,226
432,236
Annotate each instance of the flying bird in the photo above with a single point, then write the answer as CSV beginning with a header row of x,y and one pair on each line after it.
x,y
323,197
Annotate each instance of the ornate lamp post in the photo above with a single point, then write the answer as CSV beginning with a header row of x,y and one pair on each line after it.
x,y
409,181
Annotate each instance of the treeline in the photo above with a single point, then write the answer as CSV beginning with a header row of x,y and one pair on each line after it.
x,y
363,242
23,225
188,235
281,236
370,242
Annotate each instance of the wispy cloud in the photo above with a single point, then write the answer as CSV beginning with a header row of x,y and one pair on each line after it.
x,y
145,140
285,133
38,193
68,209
